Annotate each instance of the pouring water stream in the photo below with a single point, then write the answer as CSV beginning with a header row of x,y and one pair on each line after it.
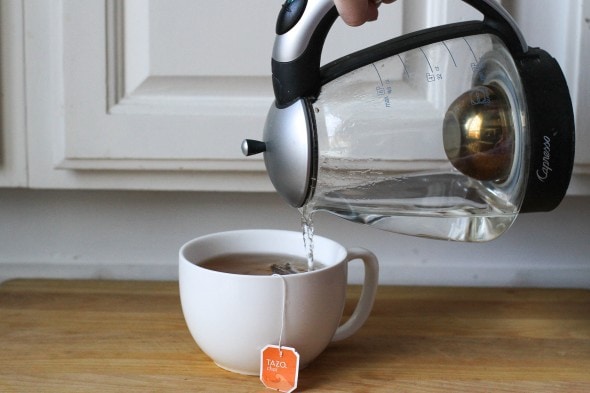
x,y
307,228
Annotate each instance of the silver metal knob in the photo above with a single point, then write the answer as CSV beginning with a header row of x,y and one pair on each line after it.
x,y
251,147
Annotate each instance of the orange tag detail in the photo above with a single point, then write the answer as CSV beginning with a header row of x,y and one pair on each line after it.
x,y
279,368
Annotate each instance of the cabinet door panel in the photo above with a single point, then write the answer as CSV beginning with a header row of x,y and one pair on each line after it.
x,y
129,94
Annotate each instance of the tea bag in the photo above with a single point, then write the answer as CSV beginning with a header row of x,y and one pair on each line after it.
x,y
282,269
287,268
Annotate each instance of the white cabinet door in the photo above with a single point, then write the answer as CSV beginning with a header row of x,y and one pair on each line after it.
x,y
158,94
145,94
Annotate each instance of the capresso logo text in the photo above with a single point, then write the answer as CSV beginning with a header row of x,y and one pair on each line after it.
x,y
543,173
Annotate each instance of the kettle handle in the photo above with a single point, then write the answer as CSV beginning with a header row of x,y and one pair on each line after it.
x,y
303,25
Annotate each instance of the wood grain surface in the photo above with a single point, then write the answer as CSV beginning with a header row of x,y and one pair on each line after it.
x,y
115,336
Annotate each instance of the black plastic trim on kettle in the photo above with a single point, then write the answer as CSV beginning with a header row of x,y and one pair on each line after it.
x,y
398,45
301,77
552,130
290,13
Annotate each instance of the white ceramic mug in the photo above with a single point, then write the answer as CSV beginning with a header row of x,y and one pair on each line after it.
x,y
233,316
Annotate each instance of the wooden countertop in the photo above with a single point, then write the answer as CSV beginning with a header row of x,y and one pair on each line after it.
x,y
109,336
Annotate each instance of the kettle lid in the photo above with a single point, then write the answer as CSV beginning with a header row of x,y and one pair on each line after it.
x,y
290,150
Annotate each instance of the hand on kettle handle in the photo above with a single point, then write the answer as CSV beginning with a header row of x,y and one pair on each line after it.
x,y
302,28
356,13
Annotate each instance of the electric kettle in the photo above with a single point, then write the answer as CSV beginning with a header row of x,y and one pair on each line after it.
x,y
447,132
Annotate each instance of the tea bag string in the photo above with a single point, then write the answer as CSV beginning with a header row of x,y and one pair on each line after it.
x,y
282,311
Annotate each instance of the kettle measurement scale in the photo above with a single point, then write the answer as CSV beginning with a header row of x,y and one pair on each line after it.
x,y
431,71
448,132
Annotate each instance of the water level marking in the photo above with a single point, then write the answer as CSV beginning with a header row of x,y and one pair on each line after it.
x,y
405,67
450,54
471,49
378,74
427,60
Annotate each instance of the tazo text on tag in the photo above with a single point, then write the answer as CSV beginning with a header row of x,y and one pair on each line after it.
x,y
279,368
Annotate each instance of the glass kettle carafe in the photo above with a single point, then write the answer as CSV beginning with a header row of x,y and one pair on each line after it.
x,y
445,133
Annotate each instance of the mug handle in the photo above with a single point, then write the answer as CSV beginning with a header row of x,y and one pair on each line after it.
x,y
367,298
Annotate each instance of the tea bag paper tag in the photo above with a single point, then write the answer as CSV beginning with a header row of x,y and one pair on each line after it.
x,y
279,368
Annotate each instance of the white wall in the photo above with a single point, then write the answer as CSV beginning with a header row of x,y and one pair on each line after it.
x,y
136,235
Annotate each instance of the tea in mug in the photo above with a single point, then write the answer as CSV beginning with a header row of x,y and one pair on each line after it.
x,y
258,264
